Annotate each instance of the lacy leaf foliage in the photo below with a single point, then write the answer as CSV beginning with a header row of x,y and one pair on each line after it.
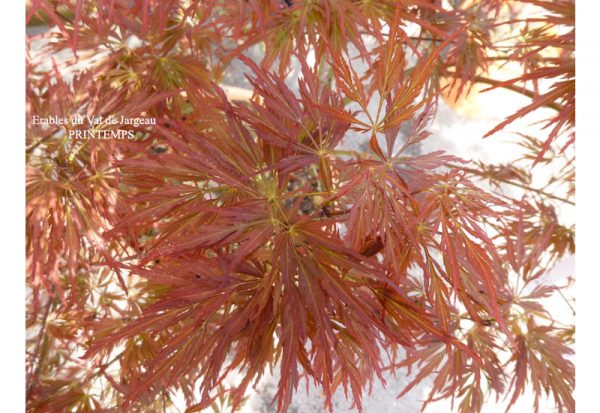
x,y
233,238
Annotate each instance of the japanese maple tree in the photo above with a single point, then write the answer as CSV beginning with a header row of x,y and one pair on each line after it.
x,y
241,235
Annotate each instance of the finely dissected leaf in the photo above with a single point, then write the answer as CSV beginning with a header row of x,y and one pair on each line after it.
x,y
303,225
542,358
560,69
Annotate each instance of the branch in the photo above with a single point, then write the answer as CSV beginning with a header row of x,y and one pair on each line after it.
x,y
513,183
523,91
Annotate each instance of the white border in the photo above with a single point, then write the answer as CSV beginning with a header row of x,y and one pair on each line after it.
x,y
12,214
12,204
588,206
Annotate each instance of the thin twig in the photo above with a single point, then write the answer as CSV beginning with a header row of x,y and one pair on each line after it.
x,y
513,183
566,301
34,145
513,88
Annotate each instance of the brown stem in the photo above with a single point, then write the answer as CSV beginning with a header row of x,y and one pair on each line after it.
x,y
566,301
525,92
102,368
492,82
34,145
513,183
